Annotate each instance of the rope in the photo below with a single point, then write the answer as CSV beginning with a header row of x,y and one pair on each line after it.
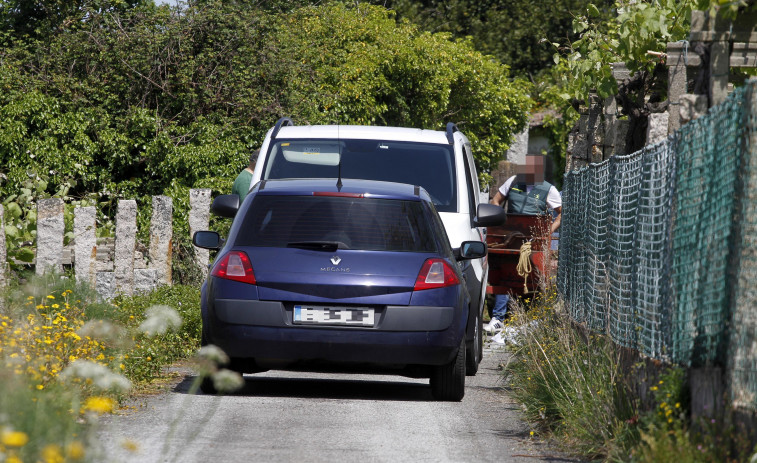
x,y
524,263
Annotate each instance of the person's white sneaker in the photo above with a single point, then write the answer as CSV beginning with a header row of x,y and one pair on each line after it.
x,y
498,338
493,326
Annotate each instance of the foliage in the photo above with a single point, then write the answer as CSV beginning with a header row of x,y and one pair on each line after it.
x,y
516,33
151,353
639,27
63,353
568,381
667,433
572,386
134,100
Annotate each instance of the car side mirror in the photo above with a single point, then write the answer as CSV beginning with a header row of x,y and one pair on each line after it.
x,y
470,250
207,240
225,206
489,215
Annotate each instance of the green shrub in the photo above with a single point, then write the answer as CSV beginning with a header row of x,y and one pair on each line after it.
x,y
569,382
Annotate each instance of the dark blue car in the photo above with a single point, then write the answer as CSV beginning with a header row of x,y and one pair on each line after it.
x,y
360,274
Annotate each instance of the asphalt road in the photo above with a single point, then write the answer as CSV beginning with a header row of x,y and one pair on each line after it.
x,y
304,417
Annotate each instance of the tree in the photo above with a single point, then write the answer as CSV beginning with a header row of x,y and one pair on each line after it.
x,y
516,33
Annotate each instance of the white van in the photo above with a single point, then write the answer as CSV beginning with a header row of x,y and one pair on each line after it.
x,y
440,162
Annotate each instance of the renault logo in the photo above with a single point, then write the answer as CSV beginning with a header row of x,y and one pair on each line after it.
x,y
335,260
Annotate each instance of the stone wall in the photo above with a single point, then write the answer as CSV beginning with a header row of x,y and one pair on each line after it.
x,y
119,265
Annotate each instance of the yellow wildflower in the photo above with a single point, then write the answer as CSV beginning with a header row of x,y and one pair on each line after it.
x,y
99,404
52,454
75,450
130,445
13,438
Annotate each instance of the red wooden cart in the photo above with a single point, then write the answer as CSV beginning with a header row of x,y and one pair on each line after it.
x,y
505,250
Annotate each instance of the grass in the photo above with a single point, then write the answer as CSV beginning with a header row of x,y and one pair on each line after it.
x,y
66,357
572,386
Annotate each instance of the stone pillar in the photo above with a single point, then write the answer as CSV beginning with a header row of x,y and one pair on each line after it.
x,y
518,150
161,238
677,64
719,68
692,107
85,245
657,128
126,237
586,139
3,254
610,110
105,283
742,364
199,217
50,229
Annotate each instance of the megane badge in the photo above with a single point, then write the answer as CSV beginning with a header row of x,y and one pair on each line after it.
x,y
335,260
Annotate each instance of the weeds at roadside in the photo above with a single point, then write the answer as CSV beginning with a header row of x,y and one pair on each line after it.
x,y
567,381
67,357
571,385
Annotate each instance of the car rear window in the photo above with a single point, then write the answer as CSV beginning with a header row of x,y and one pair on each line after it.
x,y
429,165
357,223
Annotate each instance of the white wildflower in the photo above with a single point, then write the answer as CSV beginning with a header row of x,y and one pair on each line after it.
x,y
100,375
227,381
213,353
102,330
160,318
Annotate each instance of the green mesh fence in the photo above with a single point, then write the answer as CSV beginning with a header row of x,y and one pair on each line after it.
x,y
659,248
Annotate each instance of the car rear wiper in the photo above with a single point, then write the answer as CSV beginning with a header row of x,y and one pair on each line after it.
x,y
328,246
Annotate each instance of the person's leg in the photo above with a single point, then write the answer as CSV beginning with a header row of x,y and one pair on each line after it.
x,y
498,313
500,306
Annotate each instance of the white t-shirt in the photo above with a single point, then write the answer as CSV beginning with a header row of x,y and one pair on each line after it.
x,y
554,200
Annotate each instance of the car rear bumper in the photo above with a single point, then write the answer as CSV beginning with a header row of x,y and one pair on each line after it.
x,y
417,335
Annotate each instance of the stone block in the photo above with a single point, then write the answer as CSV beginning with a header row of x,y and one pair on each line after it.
x,y
621,134
161,238
519,148
199,217
126,236
145,280
719,70
85,245
105,284
692,107
657,128
50,229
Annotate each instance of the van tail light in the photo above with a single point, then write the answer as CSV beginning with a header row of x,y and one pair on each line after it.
x,y
235,266
435,273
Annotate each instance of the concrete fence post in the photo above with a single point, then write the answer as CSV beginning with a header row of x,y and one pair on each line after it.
x,y
126,236
50,229
85,245
161,238
199,217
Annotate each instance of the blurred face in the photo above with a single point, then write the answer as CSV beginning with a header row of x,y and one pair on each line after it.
x,y
533,171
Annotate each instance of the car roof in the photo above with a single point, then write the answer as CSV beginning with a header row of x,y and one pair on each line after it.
x,y
362,132
372,188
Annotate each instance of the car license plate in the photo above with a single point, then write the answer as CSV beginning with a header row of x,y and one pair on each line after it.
x,y
345,316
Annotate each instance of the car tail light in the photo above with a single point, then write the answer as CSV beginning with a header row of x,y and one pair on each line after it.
x,y
235,266
435,273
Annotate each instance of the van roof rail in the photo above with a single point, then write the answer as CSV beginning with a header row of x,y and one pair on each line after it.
x,y
284,121
451,129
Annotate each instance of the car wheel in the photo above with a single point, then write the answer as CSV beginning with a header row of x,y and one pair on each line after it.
x,y
474,350
448,381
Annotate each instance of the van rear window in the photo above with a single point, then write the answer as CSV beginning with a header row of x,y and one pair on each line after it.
x,y
354,223
429,165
